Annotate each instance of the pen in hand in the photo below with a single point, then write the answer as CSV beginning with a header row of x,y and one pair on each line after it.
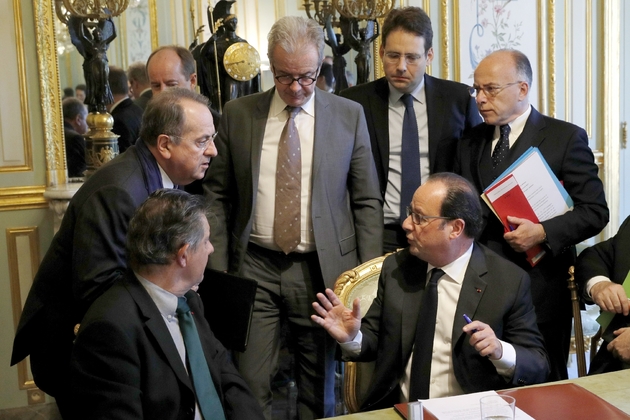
x,y
468,321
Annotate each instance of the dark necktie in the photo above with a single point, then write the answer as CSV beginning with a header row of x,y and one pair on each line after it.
x,y
410,156
207,397
502,147
287,218
423,345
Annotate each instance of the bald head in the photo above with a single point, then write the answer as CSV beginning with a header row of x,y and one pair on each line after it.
x,y
171,66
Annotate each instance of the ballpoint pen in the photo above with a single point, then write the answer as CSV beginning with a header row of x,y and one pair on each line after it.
x,y
468,321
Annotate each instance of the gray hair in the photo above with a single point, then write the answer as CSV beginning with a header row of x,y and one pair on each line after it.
x,y
166,221
521,63
165,114
293,34
71,107
137,72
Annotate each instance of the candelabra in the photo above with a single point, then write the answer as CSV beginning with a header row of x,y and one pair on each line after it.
x,y
323,10
92,29
363,9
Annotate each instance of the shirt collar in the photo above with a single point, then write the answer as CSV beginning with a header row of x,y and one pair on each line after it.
x,y
417,93
166,181
518,124
278,105
165,301
457,268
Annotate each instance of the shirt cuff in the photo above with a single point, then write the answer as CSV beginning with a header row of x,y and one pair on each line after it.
x,y
592,282
351,349
506,365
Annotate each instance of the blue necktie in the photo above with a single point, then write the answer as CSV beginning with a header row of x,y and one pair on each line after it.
x,y
410,156
423,346
207,397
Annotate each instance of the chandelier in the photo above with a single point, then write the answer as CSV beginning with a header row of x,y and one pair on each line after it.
x,y
90,9
323,10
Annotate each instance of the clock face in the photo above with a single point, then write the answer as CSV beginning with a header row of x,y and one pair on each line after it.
x,y
241,61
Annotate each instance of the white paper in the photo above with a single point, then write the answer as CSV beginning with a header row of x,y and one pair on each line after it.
x,y
464,407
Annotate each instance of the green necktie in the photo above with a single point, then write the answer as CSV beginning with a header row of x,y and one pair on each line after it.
x,y
207,396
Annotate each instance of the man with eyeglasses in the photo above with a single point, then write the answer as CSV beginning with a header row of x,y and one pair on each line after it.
x,y
502,83
296,187
450,316
87,255
414,120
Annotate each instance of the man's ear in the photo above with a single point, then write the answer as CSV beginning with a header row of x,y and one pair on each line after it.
x,y
163,145
193,80
182,255
457,228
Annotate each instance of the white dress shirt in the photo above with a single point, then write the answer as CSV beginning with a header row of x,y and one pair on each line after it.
x,y
264,206
396,114
516,128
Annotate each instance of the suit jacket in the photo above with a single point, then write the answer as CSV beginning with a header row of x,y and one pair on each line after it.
x,y
75,151
494,291
450,111
565,148
85,258
143,99
127,120
125,364
609,259
346,213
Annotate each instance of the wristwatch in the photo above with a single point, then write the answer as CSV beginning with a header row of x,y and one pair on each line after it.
x,y
241,61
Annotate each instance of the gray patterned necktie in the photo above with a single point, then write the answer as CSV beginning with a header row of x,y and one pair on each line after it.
x,y
287,218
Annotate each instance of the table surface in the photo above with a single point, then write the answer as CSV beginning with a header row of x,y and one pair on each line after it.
x,y
613,387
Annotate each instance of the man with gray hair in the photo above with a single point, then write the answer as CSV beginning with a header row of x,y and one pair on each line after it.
x,y
139,86
87,255
74,126
119,368
296,196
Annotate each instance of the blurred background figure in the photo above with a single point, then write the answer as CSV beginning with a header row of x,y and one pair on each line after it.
x,y
67,93
80,92
74,126
139,86
326,79
127,115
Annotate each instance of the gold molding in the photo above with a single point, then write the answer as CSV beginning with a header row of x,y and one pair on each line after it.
x,y
14,278
568,68
24,108
543,55
173,20
551,70
588,33
185,17
155,43
445,39
50,92
22,198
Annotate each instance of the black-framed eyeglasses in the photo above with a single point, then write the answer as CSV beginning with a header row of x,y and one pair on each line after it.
x,y
394,58
287,80
420,219
490,91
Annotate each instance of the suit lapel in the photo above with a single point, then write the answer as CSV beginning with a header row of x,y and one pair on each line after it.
x,y
472,291
323,118
414,274
155,325
477,148
379,110
258,124
530,137
435,105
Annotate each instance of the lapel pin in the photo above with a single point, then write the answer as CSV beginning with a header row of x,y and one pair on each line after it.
x,y
478,290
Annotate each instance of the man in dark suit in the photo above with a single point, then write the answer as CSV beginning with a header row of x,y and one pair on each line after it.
x,y
139,85
127,115
129,357
443,111
331,195
74,126
502,83
500,348
87,255
600,271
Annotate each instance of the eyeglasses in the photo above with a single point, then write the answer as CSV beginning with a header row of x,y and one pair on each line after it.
x,y
490,91
394,58
419,219
287,80
201,144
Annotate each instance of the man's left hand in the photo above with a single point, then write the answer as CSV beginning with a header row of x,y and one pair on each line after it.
x,y
525,235
483,339
620,346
